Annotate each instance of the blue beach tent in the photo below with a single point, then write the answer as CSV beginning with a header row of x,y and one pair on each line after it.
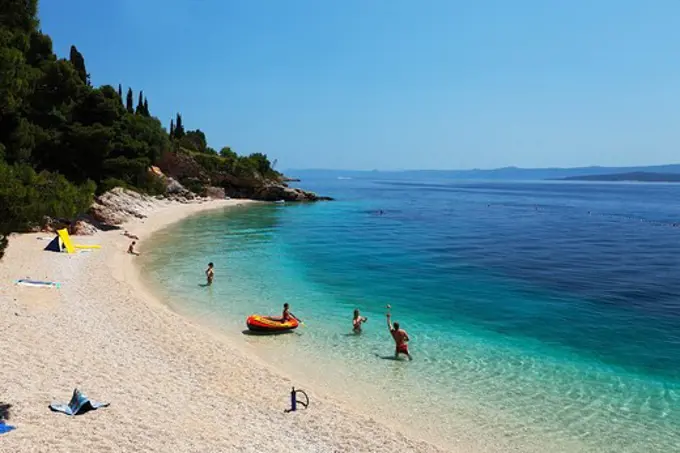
x,y
55,245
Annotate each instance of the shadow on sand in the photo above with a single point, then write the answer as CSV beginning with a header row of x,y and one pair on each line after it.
x,y
4,411
391,357
265,334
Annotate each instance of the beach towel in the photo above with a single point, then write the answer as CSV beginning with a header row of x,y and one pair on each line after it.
x,y
79,404
5,428
37,283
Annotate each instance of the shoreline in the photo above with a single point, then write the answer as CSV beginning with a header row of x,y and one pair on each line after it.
x,y
172,383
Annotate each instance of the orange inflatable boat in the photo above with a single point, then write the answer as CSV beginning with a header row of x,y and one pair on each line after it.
x,y
259,323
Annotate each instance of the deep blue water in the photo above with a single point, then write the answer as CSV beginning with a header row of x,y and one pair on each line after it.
x,y
548,312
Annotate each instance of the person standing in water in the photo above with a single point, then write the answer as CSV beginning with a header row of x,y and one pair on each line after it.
x,y
210,273
357,321
400,337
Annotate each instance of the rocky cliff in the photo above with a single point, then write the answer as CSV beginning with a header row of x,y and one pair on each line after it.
x,y
206,174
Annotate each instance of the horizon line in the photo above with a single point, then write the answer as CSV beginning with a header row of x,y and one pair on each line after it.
x,y
511,167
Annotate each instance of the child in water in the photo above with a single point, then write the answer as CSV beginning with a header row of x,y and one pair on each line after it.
x,y
286,316
357,321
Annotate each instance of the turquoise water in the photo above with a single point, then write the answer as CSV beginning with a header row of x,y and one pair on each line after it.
x,y
542,315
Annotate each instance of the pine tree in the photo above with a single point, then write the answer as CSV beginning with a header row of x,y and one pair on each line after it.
x,y
120,92
140,104
78,62
179,128
129,102
146,107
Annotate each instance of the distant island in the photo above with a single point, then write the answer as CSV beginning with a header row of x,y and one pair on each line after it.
x,y
635,176
497,174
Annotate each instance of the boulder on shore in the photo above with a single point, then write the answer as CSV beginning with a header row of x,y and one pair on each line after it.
x,y
215,192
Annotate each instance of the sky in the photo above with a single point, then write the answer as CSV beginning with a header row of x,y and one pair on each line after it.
x,y
397,84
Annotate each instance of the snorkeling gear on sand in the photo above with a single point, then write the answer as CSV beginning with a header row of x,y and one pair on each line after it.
x,y
294,401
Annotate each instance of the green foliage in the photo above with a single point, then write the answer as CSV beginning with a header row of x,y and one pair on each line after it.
x,y
78,62
194,140
129,100
62,140
111,183
140,104
227,153
179,127
25,197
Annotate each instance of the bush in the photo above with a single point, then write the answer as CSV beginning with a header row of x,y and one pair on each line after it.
x,y
111,183
25,197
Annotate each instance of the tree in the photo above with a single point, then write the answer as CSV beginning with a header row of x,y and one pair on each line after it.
x,y
128,104
40,50
179,128
62,140
227,153
140,104
78,62
195,140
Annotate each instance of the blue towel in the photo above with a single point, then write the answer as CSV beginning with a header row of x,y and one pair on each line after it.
x,y
5,428
79,404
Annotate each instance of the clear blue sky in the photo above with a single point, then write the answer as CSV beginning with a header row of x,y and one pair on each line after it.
x,y
397,84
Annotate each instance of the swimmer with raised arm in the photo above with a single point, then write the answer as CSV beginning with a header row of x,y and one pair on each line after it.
x,y
400,337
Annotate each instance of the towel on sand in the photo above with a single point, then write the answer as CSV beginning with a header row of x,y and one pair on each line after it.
x,y
37,283
79,404
5,428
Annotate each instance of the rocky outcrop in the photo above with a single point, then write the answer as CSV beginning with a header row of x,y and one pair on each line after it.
x,y
215,192
84,226
50,225
182,166
276,192
177,192
119,205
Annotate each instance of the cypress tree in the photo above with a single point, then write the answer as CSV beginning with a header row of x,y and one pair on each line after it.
x,y
78,62
120,92
146,107
172,128
140,104
129,102
179,128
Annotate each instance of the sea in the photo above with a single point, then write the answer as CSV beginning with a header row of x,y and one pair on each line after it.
x,y
543,315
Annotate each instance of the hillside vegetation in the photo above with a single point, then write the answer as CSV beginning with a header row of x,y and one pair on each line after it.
x,y
63,141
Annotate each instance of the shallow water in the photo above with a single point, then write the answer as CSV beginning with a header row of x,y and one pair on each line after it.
x,y
542,314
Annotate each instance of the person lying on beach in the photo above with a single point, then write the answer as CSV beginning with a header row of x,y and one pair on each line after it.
x,y
357,321
131,249
130,235
210,273
400,338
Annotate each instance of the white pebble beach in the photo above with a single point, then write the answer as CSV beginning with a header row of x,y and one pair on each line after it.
x,y
173,385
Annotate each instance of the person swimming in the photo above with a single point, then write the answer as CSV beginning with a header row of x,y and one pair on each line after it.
x,y
210,273
357,321
400,337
